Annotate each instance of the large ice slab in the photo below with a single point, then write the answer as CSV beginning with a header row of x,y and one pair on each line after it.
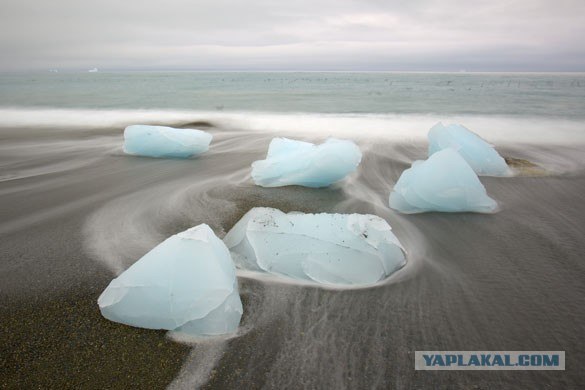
x,y
478,153
162,141
187,283
346,249
443,182
292,162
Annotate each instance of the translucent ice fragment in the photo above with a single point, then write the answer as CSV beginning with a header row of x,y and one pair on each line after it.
x,y
187,283
348,249
161,141
291,162
443,182
478,153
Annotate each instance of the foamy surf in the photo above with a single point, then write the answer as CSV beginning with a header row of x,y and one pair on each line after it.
x,y
397,127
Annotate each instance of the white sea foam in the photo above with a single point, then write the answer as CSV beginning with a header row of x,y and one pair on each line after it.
x,y
399,127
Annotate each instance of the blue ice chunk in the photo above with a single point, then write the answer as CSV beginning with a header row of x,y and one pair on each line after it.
x,y
443,182
187,283
337,249
478,153
162,141
292,162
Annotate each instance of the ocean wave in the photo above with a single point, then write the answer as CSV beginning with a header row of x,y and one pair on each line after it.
x,y
399,127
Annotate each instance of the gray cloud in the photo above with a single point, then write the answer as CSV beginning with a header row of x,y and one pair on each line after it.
x,y
304,35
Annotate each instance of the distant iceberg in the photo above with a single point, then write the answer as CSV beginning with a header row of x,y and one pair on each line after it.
x,y
342,249
161,141
291,162
187,283
93,70
443,182
478,153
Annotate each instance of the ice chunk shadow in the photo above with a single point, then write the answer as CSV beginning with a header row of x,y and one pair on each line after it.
x,y
525,167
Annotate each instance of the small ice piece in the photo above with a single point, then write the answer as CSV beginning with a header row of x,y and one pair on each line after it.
x,y
162,141
478,153
292,162
342,249
187,283
443,182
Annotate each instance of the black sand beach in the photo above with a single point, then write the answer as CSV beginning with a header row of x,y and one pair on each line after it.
x,y
74,211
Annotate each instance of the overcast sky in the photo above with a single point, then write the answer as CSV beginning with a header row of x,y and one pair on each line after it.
x,y
416,35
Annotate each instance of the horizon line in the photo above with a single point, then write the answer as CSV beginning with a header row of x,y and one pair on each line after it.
x,y
114,70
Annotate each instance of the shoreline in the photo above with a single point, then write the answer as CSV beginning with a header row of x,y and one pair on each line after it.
x,y
508,281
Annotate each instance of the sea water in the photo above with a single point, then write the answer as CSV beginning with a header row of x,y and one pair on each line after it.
x,y
507,94
500,107
83,212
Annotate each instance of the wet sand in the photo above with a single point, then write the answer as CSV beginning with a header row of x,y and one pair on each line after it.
x,y
74,211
